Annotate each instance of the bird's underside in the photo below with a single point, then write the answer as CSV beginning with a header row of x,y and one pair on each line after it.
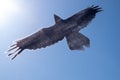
x,y
68,28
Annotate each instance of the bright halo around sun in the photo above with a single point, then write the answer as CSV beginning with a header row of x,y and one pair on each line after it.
x,y
7,8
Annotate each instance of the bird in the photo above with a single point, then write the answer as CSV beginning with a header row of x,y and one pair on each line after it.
x,y
63,28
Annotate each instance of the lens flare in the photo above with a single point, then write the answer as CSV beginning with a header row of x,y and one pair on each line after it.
x,y
7,8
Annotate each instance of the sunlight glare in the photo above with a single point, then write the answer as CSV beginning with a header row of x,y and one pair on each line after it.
x,y
7,8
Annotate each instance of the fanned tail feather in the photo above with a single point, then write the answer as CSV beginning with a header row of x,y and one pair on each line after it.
x,y
77,41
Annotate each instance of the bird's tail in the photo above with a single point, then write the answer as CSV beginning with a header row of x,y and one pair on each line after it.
x,y
77,41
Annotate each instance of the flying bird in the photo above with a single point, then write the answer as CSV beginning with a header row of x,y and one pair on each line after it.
x,y
68,28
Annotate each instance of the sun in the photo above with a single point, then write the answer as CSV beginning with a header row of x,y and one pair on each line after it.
x,y
7,8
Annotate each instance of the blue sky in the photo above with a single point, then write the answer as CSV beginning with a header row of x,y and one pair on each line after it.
x,y
57,62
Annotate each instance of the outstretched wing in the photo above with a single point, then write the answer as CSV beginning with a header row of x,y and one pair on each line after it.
x,y
76,40
84,17
40,39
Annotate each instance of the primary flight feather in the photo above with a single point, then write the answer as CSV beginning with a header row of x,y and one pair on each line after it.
x,y
68,28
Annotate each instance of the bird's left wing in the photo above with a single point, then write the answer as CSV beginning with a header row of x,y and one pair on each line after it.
x,y
40,39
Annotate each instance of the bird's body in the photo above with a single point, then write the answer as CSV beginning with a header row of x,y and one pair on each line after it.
x,y
68,28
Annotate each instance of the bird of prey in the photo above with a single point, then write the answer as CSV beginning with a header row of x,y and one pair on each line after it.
x,y
68,28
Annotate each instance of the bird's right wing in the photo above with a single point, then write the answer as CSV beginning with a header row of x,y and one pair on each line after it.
x,y
84,17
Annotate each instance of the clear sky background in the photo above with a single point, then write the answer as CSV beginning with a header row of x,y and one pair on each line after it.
x,y
19,18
